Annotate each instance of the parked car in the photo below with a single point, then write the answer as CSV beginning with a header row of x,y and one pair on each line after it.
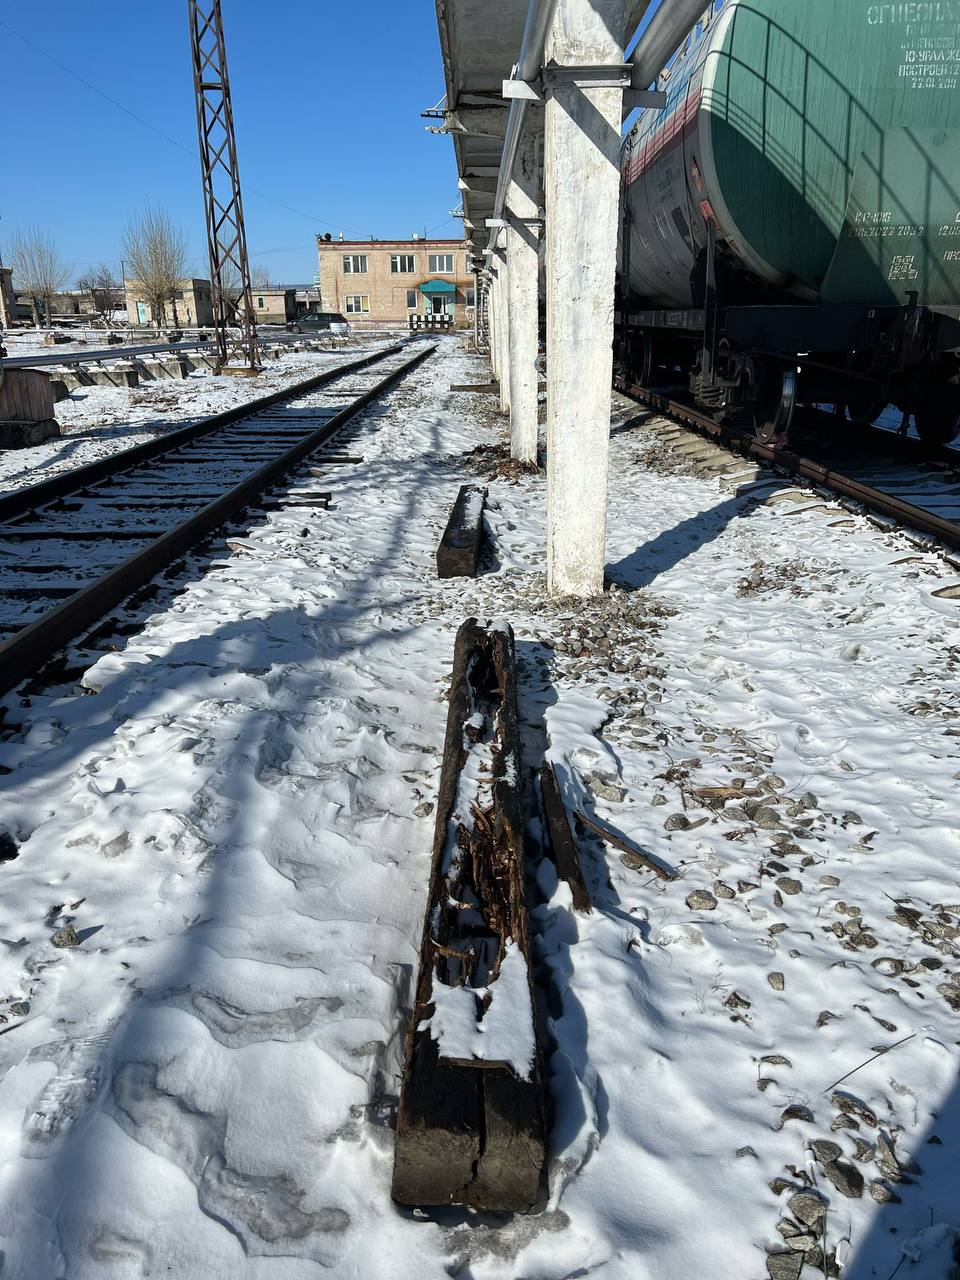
x,y
315,321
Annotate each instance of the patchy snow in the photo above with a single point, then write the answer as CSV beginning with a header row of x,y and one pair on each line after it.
x,y
236,821
501,1033
97,421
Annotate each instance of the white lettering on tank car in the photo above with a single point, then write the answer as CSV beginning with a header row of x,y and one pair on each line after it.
x,y
913,11
903,267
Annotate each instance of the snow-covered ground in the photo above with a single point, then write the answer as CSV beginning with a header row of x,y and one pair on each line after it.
x,y
99,420
236,822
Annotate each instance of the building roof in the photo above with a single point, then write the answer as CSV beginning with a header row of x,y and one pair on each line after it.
x,y
385,244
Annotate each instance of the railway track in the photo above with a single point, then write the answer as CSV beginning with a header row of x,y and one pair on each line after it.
x,y
74,546
909,483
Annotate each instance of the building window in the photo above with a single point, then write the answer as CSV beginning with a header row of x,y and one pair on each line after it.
x,y
471,298
358,304
355,264
442,263
411,299
259,302
403,263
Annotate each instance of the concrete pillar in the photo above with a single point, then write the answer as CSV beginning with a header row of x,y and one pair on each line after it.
x,y
523,286
494,319
582,193
503,325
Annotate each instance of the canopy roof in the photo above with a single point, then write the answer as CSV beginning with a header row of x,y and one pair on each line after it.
x,y
438,286
480,44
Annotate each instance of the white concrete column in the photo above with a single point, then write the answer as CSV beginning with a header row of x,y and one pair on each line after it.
x,y
493,320
523,284
503,325
582,193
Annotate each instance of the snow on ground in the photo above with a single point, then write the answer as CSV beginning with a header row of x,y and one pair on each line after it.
x,y
97,421
236,822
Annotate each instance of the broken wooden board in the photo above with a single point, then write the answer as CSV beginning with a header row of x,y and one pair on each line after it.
x,y
459,549
561,839
632,850
485,388
470,1126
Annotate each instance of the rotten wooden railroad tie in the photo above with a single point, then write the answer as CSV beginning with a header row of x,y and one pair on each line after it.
x,y
483,388
470,1127
459,551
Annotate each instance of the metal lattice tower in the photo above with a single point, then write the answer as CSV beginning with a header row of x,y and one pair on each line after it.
x,y
223,203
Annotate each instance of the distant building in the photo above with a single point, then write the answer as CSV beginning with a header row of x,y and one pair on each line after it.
x,y
73,302
194,306
380,283
275,303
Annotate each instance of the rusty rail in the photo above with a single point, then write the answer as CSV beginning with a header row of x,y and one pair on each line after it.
x,y
905,513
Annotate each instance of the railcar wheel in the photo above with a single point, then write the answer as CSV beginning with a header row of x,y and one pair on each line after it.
x,y
863,411
937,426
641,360
774,411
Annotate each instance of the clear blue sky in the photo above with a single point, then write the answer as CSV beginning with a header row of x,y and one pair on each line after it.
x,y
327,99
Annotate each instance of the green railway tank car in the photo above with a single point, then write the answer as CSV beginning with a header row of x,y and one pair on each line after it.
x,y
807,164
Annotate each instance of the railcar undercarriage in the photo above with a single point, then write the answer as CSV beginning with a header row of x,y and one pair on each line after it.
x,y
757,364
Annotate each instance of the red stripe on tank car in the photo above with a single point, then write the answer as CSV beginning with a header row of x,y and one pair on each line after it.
x,y
672,131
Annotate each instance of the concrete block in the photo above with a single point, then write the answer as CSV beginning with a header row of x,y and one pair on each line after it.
x,y
165,367
121,373
23,435
177,366
59,383
56,339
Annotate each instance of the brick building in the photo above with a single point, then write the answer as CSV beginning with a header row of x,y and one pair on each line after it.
x,y
194,304
275,303
380,283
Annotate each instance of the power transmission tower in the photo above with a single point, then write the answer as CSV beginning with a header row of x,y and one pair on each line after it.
x,y
223,203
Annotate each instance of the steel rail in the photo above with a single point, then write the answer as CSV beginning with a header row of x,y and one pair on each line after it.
x,y
885,504
128,353
22,500
23,653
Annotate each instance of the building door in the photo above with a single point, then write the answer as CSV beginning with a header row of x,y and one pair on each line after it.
x,y
141,313
440,307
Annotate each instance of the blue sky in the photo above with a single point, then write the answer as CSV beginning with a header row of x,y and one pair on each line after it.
x,y
327,100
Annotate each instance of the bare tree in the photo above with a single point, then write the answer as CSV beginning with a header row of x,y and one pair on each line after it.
x,y
102,286
40,272
157,254
260,278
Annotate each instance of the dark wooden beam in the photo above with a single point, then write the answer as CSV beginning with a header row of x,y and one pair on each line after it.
x,y
470,1131
459,549
561,839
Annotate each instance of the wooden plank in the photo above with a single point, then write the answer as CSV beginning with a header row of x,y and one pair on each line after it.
x,y
561,839
621,842
459,549
471,1131
483,388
